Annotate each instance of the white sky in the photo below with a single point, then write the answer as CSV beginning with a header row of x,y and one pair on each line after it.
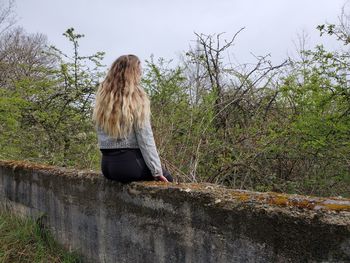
x,y
166,28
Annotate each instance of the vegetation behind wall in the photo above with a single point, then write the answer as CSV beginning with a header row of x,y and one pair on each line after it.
x,y
260,127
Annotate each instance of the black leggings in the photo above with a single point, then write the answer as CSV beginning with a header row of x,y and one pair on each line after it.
x,y
127,165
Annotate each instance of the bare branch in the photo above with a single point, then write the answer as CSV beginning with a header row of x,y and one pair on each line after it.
x,y
7,15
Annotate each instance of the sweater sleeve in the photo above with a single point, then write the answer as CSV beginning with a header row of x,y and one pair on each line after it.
x,y
148,148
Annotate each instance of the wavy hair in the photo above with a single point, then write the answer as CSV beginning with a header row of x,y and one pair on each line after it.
x,y
120,100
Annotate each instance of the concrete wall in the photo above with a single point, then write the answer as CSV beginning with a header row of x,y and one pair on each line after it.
x,y
169,222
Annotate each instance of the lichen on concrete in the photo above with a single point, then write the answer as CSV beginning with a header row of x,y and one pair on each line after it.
x,y
220,194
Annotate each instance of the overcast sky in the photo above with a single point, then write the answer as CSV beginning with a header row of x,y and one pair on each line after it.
x,y
166,28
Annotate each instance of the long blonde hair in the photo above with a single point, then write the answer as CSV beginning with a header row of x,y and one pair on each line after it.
x,y
120,100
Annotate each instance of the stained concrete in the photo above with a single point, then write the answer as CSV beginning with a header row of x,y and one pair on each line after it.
x,y
107,221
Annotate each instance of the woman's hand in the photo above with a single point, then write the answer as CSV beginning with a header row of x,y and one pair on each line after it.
x,y
161,178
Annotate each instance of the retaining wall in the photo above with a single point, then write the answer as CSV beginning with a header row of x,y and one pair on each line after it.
x,y
107,221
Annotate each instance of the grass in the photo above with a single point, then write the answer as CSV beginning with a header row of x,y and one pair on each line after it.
x,y
23,240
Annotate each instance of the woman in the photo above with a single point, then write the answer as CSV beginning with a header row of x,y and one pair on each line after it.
x,y
122,118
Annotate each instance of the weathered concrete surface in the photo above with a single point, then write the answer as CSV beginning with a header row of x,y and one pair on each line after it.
x,y
168,222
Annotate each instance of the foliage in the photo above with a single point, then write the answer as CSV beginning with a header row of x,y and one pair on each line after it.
x,y
23,240
261,127
53,103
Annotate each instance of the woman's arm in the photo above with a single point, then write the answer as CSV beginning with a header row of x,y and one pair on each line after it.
x,y
148,148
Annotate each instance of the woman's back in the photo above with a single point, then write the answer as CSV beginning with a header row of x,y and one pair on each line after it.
x,y
122,118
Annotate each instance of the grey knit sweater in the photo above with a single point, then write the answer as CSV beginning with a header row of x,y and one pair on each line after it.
x,y
139,138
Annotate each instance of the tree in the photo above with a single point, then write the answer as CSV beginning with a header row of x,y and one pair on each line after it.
x,y
53,94
7,16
